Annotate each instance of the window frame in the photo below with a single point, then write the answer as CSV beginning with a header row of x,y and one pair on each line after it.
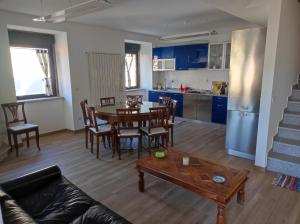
x,y
52,63
132,48
137,72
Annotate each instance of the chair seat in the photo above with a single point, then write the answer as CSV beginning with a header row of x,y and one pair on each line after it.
x,y
22,127
102,129
154,131
100,122
129,133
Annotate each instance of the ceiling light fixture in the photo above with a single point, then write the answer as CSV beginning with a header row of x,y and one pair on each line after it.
x,y
188,36
75,11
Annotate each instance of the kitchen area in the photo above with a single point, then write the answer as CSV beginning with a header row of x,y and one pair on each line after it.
x,y
215,82
196,75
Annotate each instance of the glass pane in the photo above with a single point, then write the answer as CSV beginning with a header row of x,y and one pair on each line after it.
x,y
28,73
130,70
215,56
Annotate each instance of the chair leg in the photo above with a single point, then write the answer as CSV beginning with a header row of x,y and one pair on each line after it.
x,y
167,139
92,142
86,137
113,145
98,143
109,141
103,139
16,144
119,147
37,138
172,137
139,146
9,140
27,139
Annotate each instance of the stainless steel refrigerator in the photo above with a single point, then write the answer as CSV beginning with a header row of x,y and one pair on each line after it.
x,y
245,77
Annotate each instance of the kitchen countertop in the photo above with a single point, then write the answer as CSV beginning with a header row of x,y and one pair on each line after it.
x,y
187,93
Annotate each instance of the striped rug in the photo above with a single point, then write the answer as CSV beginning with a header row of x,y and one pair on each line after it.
x,y
288,182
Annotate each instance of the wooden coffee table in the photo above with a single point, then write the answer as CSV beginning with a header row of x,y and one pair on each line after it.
x,y
196,177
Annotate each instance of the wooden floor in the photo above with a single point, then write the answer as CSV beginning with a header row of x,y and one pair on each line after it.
x,y
115,183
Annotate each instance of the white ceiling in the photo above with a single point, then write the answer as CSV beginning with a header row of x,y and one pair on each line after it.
x,y
154,17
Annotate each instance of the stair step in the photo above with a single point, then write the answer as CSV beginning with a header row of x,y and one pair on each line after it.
x,y
289,131
296,94
286,146
288,165
291,117
293,105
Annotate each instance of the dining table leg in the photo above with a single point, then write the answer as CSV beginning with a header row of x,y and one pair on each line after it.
x,y
221,214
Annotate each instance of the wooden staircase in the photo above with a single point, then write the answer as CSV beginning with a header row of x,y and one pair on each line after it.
x,y
285,155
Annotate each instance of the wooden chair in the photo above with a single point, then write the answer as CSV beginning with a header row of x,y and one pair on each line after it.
x,y
16,126
165,100
96,130
134,98
84,107
128,128
157,126
107,101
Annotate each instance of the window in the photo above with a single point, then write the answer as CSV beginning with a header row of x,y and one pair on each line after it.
x,y
132,65
33,64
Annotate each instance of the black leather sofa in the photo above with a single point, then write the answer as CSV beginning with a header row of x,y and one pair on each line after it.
x,y
45,196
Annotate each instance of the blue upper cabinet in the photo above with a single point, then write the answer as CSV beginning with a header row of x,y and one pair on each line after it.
x,y
167,52
181,55
187,56
163,52
156,52
197,55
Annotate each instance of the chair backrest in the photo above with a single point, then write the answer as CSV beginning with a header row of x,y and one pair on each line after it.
x,y
134,98
107,101
84,107
12,113
165,100
92,118
158,118
128,123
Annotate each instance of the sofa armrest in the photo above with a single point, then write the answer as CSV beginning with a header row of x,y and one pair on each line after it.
x,y
29,183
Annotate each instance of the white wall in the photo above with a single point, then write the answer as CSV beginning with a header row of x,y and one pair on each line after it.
x,y
281,70
80,39
49,118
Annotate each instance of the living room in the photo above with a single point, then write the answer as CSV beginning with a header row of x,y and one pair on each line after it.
x,y
88,63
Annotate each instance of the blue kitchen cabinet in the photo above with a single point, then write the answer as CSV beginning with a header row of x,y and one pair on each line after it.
x,y
154,97
157,52
179,98
181,56
163,52
197,55
219,109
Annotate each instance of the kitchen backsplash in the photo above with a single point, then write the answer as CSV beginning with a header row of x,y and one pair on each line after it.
x,y
196,79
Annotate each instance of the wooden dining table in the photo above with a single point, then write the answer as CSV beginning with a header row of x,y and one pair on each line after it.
x,y
109,113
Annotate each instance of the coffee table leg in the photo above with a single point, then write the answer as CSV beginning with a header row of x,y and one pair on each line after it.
x,y
241,195
141,182
221,214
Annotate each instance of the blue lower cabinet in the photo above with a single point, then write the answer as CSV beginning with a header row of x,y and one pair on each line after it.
x,y
153,96
219,109
179,106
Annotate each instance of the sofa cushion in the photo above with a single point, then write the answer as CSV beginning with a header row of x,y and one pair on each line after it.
x,y
14,214
99,214
58,202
